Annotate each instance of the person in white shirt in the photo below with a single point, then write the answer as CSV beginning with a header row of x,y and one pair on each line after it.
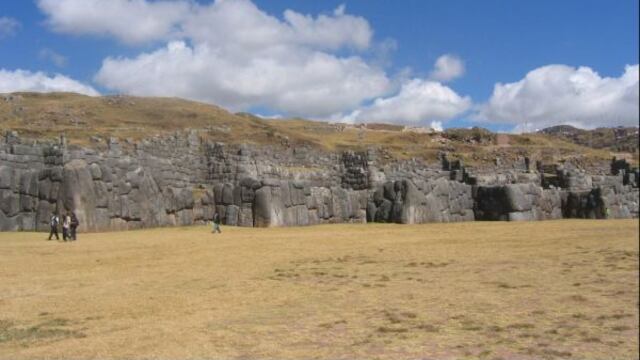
x,y
66,224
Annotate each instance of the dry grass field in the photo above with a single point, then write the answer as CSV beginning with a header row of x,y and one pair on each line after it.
x,y
490,290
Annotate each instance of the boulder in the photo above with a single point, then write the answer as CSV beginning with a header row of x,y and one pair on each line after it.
x,y
227,195
515,196
267,208
96,171
245,217
9,202
6,177
78,193
521,216
383,213
231,217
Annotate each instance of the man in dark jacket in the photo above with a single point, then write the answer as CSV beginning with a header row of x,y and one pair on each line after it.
x,y
53,223
216,223
74,225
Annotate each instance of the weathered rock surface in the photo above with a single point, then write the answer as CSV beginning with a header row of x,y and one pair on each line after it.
x,y
517,202
181,180
419,201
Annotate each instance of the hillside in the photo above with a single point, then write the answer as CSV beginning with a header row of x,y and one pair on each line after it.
x,y
89,121
622,139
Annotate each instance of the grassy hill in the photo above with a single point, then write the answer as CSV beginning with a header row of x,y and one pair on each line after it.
x,y
620,138
85,120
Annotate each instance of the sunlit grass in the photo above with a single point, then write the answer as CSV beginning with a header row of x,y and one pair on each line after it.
x,y
552,289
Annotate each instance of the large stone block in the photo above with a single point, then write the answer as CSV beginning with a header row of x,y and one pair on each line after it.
x,y
29,183
516,197
285,193
389,191
583,204
491,203
371,211
217,191
78,194
383,213
297,194
9,202
227,194
521,216
28,203
43,215
27,221
9,223
267,210
231,217
413,204
245,217
96,172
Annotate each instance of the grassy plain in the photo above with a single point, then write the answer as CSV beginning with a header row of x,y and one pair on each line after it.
x,y
490,290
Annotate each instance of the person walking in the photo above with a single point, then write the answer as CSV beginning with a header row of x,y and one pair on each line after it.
x,y
73,225
53,223
216,224
66,224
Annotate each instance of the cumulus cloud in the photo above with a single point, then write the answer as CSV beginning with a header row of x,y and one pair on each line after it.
x,y
140,21
233,54
447,68
238,56
418,101
560,94
307,83
22,80
131,21
331,32
8,26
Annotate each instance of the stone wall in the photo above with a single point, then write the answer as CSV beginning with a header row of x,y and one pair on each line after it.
x,y
517,202
107,191
183,180
420,201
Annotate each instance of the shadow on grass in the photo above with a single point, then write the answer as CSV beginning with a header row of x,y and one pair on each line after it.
x,y
50,329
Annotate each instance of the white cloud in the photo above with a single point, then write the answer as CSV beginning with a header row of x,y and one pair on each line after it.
x,y
241,57
447,68
8,26
560,94
22,80
229,21
131,21
418,101
233,54
436,125
331,32
50,55
304,83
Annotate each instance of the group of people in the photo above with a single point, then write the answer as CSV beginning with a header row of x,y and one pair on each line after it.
x,y
70,224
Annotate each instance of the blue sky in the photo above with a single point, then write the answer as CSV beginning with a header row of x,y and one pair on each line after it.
x,y
559,58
